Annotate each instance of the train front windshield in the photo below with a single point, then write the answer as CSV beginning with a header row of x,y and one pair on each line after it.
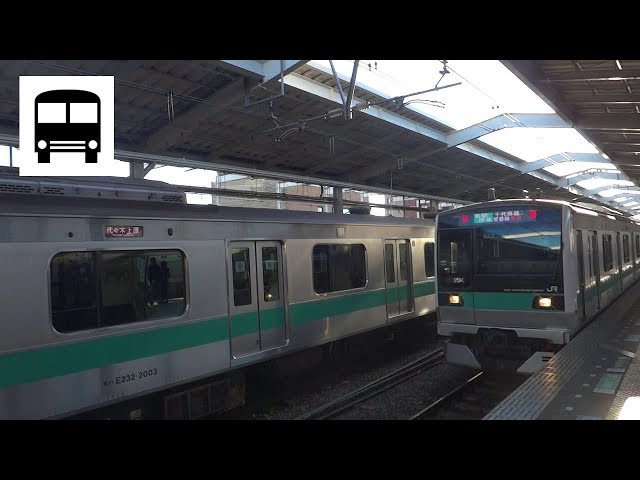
x,y
501,249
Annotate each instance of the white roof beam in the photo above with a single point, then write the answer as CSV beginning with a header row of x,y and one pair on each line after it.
x,y
593,175
507,120
602,188
562,158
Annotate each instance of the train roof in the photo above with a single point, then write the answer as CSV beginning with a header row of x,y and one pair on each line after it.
x,y
97,197
578,207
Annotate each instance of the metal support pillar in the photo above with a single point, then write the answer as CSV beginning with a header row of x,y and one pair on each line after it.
x,y
337,200
136,170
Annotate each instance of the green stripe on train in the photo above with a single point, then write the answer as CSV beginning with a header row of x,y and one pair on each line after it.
x,y
498,301
508,301
424,288
42,363
328,307
247,323
49,362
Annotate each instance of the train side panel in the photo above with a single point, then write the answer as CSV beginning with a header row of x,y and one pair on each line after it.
x,y
47,373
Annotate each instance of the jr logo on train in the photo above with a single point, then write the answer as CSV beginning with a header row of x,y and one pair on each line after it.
x,y
67,121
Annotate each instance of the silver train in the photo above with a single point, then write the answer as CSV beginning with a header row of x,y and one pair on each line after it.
x,y
114,293
517,279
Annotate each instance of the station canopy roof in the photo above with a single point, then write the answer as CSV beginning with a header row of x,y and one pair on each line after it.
x,y
439,129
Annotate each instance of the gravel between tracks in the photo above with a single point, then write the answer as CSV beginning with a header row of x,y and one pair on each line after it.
x,y
332,380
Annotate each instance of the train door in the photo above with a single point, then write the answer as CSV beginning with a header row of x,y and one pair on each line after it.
x,y
581,275
592,291
256,297
619,259
398,278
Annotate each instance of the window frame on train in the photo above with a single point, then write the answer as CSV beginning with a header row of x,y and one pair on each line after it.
x,y
146,302
430,259
607,252
331,273
626,250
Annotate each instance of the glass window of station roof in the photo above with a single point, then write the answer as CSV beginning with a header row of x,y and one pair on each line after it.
x,y
617,191
488,89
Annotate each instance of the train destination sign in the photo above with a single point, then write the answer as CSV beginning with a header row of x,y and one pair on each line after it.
x,y
499,216
122,231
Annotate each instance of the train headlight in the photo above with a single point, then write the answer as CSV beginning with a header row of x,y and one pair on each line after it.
x,y
93,144
548,302
42,144
455,300
544,302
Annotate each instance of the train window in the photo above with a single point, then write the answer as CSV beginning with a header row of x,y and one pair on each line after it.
x,y
428,259
625,248
74,304
133,286
241,276
637,246
403,252
338,267
389,263
454,258
521,248
270,274
607,254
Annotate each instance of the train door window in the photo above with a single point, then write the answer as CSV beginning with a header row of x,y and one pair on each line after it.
x,y
270,274
403,253
607,253
637,246
389,263
241,276
589,256
74,300
429,259
625,248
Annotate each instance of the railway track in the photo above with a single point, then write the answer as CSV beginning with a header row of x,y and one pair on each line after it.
x,y
473,399
376,387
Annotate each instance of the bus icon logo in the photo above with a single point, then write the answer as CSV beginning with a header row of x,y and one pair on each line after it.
x,y
67,121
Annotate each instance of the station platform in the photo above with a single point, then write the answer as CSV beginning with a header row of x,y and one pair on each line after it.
x,y
595,377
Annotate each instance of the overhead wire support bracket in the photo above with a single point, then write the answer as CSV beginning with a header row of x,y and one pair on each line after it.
x,y
346,102
247,90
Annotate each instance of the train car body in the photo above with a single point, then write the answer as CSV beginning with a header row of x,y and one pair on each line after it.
x,y
109,299
517,279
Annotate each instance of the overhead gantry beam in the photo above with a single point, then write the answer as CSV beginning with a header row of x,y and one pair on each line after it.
x,y
593,175
626,191
596,190
562,158
508,120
